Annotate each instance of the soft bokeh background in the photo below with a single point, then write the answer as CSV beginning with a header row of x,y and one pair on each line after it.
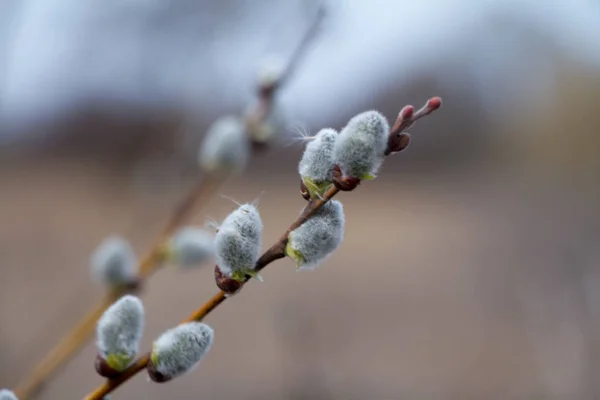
x,y
470,268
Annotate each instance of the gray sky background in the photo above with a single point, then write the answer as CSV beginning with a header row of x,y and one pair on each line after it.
x,y
57,54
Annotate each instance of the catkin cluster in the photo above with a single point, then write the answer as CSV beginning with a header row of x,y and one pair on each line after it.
x,y
174,353
330,159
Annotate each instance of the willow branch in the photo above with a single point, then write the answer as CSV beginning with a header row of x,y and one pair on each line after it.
x,y
274,253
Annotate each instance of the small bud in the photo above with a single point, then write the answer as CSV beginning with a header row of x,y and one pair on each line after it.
x,y
114,262
6,394
229,285
317,238
397,143
360,147
179,350
119,332
316,165
238,243
304,190
103,369
225,147
344,183
191,246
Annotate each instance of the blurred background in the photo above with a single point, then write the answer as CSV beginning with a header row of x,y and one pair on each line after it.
x,y
470,268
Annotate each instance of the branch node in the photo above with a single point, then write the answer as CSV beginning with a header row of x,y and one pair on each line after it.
x,y
344,183
103,369
227,284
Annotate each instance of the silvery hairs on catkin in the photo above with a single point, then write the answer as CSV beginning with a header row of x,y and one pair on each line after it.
x,y
238,240
120,329
178,350
316,165
360,147
317,238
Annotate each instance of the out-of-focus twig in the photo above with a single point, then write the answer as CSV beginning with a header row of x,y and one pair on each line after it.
x,y
74,340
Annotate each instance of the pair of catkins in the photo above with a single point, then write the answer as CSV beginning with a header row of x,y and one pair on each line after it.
x,y
174,353
115,263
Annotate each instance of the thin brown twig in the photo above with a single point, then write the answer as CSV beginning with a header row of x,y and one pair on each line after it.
x,y
275,252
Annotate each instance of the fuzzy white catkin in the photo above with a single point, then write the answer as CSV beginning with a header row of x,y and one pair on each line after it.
x,y
317,161
114,262
318,237
6,394
360,147
178,350
191,246
225,147
238,241
119,331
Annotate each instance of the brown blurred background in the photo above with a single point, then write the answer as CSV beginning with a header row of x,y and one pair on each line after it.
x,y
469,269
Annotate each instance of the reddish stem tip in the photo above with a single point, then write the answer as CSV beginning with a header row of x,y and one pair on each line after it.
x,y
434,103
407,112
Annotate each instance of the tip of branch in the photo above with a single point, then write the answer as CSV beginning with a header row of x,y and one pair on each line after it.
x,y
433,103
407,112
398,141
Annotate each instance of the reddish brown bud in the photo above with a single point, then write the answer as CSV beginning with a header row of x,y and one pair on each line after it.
x,y
397,143
434,103
225,283
407,112
103,369
304,190
155,375
344,183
